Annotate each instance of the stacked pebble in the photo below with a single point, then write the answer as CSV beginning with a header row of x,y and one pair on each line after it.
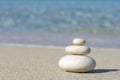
x,y
77,61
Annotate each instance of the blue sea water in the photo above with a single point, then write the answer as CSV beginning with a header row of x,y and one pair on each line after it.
x,y
57,22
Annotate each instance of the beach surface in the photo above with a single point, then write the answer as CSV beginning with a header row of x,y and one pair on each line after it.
x,y
40,63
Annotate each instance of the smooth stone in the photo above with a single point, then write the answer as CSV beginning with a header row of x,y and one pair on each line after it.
x,y
76,63
79,41
79,50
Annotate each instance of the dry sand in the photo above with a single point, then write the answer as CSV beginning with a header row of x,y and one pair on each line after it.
x,y
32,63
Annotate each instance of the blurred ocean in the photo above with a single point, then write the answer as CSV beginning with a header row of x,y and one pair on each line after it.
x,y
57,22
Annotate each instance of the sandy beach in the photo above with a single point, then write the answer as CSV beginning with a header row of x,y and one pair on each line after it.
x,y
35,63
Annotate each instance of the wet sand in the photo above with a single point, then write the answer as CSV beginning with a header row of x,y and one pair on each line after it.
x,y
39,63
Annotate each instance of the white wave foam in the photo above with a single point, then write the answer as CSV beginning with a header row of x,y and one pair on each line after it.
x,y
30,45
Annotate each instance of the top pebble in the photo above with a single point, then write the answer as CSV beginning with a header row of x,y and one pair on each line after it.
x,y
79,41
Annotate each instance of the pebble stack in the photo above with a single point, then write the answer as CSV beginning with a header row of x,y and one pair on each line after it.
x,y
77,61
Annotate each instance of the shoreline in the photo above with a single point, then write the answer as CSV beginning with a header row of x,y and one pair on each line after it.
x,y
44,46
43,39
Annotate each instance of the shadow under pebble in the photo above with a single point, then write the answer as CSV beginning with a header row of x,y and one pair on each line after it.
x,y
103,70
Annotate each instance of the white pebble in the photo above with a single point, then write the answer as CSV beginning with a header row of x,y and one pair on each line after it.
x,y
79,41
75,63
79,50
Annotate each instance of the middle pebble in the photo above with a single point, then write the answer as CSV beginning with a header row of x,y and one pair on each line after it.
x,y
78,50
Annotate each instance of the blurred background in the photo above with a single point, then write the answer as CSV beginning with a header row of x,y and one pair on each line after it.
x,y
57,22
